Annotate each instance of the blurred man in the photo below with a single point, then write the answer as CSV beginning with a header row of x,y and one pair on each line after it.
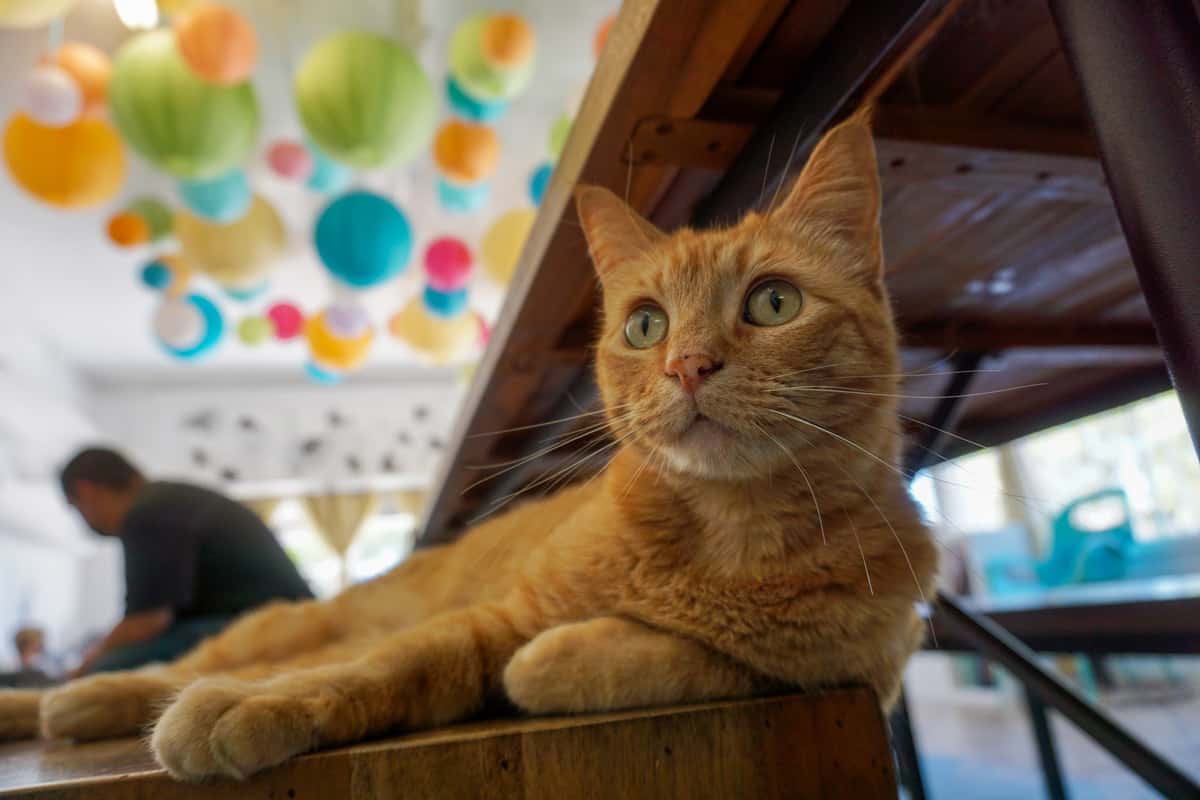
x,y
194,559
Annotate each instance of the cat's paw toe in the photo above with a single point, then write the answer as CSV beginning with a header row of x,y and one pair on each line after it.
x,y
181,738
230,730
101,706
552,674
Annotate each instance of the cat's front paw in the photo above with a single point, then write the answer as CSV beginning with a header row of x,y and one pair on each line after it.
x,y
559,672
103,706
223,728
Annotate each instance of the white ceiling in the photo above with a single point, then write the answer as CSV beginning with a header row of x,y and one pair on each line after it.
x,y
63,286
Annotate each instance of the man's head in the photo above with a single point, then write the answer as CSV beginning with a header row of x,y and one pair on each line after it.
x,y
101,484
30,643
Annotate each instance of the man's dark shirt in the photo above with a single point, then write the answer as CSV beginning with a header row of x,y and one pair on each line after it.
x,y
201,554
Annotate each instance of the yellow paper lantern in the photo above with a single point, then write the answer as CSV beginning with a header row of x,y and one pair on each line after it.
x,y
32,13
442,340
332,351
181,274
78,165
501,247
239,254
466,152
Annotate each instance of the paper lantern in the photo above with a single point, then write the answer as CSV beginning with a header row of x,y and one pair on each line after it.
x,y
157,215
76,166
347,320
91,70
506,41
253,331
475,74
244,294
601,37
51,97
447,264
156,276
328,176
188,327
462,199
538,182
224,198
32,13
365,100
441,340
176,121
217,43
127,229
320,374
177,6
471,108
446,305
287,320
466,152
178,274
559,132
501,246
331,351
290,160
239,254
363,239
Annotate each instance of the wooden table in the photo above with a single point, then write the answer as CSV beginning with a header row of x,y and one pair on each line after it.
x,y
1152,616
831,744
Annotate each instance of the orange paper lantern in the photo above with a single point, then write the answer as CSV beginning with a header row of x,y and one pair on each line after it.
x,y
128,230
466,152
91,69
217,43
81,164
506,41
602,35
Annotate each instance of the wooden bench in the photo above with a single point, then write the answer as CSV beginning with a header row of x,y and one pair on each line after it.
x,y
831,744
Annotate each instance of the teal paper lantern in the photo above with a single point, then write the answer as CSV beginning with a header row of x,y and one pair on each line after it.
x,y
213,328
222,199
156,276
176,121
328,176
538,182
462,199
364,100
446,305
470,108
363,239
321,374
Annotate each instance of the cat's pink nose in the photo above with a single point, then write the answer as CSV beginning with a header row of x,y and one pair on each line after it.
x,y
692,369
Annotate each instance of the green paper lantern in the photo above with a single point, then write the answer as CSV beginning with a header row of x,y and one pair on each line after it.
x,y
472,71
559,132
364,100
176,121
156,213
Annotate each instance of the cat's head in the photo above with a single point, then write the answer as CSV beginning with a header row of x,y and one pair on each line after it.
x,y
721,351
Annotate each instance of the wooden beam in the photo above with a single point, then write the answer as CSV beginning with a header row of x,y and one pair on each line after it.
x,y
989,338
663,57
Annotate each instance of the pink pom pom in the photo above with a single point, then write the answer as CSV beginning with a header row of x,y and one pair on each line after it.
x,y
448,264
287,319
290,160
485,330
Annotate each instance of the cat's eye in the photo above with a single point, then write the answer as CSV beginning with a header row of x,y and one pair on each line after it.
x,y
772,302
646,326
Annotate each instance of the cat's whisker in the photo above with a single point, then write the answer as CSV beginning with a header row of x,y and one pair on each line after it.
x,y
637,474
862,553
546,424
508,467
899,542
803,474
839,390
766,171
951,434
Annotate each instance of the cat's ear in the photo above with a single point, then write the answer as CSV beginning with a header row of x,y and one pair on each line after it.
x,y
616,234
839,191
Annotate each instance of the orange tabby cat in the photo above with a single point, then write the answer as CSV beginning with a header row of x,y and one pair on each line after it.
x,y
751,532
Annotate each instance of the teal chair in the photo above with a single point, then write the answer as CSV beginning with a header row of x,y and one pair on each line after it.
x,y
1083,555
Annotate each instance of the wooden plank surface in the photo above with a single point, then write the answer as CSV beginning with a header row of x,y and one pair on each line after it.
x,y
826,745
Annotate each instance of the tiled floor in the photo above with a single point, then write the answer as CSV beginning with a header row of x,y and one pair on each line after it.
x,y
976,743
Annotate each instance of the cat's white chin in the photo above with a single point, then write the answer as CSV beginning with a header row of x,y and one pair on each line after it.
x,y
706,448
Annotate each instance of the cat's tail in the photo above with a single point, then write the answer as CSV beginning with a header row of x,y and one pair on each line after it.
x,y
19,713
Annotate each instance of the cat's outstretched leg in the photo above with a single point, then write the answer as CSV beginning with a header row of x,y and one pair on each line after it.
x,y
19,713
118,704
612,663
428,675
